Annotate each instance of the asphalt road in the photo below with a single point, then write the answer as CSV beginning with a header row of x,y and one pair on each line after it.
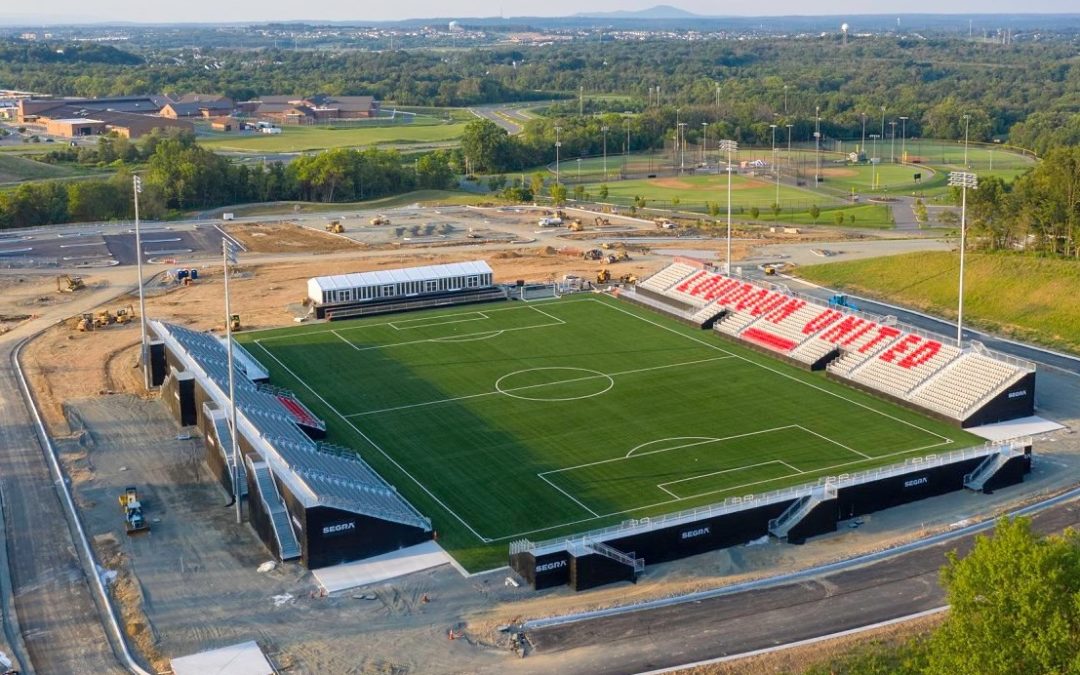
x,y
56,612
734,624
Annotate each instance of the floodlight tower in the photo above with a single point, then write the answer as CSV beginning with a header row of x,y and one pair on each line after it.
x,y
892,143
963,180
604,129
144,357
817,145
775,163
558,144
729,147
844,30
903,139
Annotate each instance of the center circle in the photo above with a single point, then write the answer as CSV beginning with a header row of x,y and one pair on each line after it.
x,y
535,392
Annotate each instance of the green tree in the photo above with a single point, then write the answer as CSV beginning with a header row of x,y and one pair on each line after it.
x,y
536,183
1015,605
775,208
839,218
603,192
754,212
433,171
487,146
558,193
815,212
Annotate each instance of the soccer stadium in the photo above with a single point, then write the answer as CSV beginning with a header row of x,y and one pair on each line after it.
x,y
588,434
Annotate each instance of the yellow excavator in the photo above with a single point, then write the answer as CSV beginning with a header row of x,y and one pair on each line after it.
x,y
603,276
125,315
65,283
335,227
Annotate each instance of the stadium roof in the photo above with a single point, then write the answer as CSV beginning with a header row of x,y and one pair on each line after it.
x,y
318,474
377,278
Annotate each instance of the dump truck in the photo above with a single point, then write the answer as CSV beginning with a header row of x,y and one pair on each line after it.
x,y
134,521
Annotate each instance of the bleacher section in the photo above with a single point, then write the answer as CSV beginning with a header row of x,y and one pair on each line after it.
x,y
865,350
331,474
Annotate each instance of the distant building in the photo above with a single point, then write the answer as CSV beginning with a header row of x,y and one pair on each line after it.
x,y
312,109
198,105
69,118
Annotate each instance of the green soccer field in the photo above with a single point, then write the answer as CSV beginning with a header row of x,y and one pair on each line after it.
x,y
552,418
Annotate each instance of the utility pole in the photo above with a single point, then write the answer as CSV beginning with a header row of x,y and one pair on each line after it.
x,y
817,145
605,130
228,254
704,140
558,144
862,145
892,143
776,164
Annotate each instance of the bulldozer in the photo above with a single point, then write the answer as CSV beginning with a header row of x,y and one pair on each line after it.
x,y
65,283
335,227
134,521
234,322
603,276
380,220
125,315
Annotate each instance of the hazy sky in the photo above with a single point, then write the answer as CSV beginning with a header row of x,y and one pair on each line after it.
x,y
209,11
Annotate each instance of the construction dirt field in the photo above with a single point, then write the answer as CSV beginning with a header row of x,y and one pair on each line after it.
x,y
192,584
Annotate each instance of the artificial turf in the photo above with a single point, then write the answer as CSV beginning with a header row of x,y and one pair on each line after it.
x,y
536,420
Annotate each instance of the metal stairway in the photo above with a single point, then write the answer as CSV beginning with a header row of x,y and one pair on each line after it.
x,y
224,436
780,526
976,480
275,509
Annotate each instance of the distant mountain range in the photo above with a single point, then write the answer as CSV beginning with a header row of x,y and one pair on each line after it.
x,y
657,12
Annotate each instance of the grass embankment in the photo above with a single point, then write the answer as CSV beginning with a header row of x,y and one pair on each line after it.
x,y
1032,299
423,197
312,138
14,169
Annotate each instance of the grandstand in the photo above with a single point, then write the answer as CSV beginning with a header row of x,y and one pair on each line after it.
x,y
967,385
345,296
307,499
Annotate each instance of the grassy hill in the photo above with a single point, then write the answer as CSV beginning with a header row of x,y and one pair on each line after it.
x,y
1029,298
14,169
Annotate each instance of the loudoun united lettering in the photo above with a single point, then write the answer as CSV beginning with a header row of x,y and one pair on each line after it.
x,y
547,567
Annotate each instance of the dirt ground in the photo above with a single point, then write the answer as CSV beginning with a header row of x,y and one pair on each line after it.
x,y
191,584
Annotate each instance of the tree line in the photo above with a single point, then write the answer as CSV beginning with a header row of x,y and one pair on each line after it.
x,y
179,175
749,84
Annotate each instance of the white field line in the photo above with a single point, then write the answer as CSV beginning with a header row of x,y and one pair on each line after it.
x,y
375,445
455,338
838,443
340,337
733,490
663,486
476,316
318,329
532,386
785,375
568,495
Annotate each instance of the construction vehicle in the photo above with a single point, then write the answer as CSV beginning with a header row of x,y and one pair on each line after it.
x,y
602,222
335,227
841,300
560,214
85,323
132,508
575,225
593,254
628,279
125,315
664,224
769,270
234,322
550,221
104,318
603,276
65,283
380,220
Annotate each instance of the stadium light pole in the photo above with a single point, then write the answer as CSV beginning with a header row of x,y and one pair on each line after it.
x,y
967,123
963,180
729,147
903,139
626,150
817,145
776,164
136,184
605,130
681,136
678,125
228,254
558,144
892,143
704,140
873,163
862,146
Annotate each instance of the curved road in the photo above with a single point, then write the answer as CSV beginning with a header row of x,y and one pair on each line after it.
x,y
57,617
